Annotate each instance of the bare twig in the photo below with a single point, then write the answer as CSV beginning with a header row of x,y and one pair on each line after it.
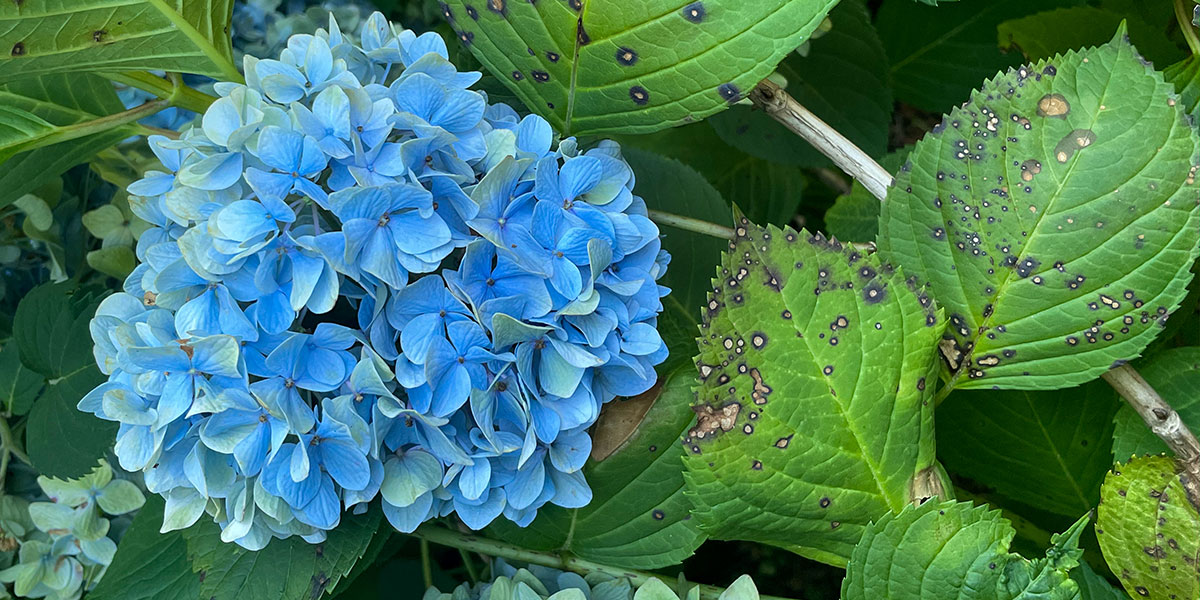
x,y
774,101
1163,421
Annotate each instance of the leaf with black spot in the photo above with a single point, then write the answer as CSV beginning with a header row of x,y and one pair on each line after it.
x,y
813,409
957,550
1149,530
1054,216
640,67
38,37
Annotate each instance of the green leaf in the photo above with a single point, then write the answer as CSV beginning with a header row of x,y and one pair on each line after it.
x,y
1185,76
1092,586
670,186
1149,531
938,54
1045,34
843,79
855,216
1048,450
62,441
149,565
290,568
17,128
956,550
189,36
635,66
1175,375
61,100
638,517
115,261
50,322
19,386
768,192
816,366
1059,242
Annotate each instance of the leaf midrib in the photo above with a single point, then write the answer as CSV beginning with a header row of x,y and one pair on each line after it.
x,y
985,323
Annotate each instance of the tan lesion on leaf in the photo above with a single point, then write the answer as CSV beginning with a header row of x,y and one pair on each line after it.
x,y
712,421
619,420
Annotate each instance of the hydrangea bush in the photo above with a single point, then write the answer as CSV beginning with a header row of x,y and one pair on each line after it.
x,y
363,280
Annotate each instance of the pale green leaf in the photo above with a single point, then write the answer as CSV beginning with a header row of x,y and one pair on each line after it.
x,y
843,79
1149,530
634,66
37,212
149,565
638,517
104,221
289,568
654,589
742,589
115,261
58,36
1054,216
61,100
19,386
945,550
1048,450
816,367
1175,375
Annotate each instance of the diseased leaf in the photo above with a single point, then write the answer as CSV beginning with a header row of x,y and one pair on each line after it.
x,y
19,386
1044,34
938,54
955,550
289,568
637,66
149,565
1175,375
816,366
60,100
1149,530
843,79
638,517
61,36
1048,450
1054,216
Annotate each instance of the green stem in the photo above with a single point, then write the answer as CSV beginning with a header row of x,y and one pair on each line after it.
x,y
113,121
472,574
426,564
9,444
482,545
690,224
1185,25
180,95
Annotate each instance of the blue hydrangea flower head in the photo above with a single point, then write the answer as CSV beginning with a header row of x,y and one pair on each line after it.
x,y
363,281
